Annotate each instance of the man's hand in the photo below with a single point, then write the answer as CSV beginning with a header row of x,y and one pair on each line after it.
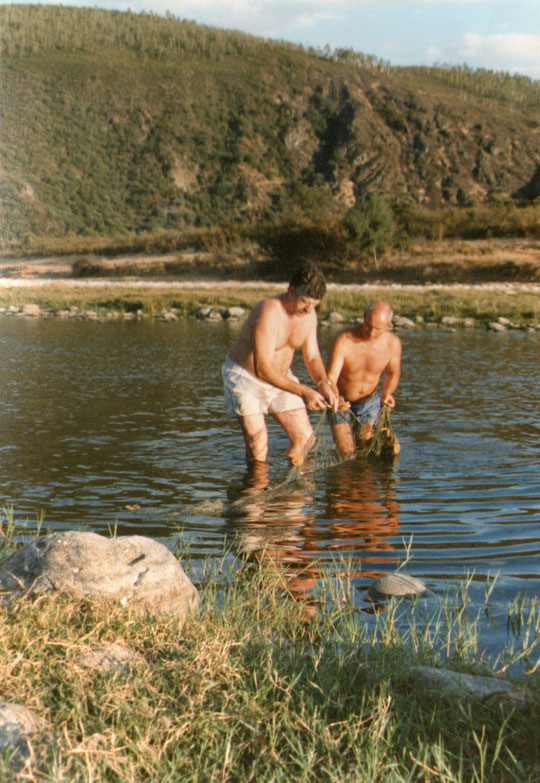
x,y
326,388
388,399
314,399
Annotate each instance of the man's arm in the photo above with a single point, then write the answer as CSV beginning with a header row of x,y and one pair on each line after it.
x,y
335,360
315,366
393,374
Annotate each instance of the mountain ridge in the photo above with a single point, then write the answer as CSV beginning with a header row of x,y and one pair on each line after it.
x,y
115,122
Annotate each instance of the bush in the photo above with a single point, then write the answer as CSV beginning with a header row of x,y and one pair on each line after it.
x,y
370,224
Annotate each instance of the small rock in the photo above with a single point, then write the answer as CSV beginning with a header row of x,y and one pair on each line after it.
x,y
504,321
213,315
13,309
495,326
469,323
234,312
451,320
32,310
335,317
17,723
419,319
109,659
402,322
401,585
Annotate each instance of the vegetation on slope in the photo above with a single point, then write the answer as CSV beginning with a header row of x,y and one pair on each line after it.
x,y
118,123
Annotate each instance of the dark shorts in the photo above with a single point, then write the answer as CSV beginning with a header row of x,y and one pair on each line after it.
x,y
364,411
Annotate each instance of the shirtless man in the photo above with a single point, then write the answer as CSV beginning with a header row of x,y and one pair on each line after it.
x,y
256,374
358,358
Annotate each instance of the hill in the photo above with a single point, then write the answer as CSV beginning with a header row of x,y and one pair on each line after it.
x,y
116,123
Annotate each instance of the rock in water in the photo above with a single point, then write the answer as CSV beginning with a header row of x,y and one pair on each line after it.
x,y
401,585
134,571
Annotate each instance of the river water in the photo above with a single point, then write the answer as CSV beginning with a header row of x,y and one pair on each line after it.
x,y
120,426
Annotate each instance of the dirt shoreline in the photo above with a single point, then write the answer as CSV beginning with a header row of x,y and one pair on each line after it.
x,y
208,284
426,262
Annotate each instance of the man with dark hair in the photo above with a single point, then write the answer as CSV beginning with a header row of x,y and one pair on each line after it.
x,y
256,374
358,358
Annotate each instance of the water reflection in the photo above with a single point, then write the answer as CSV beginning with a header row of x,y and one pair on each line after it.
x,y
279,523
362,506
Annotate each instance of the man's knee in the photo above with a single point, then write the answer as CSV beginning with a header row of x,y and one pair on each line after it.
x,y
343,438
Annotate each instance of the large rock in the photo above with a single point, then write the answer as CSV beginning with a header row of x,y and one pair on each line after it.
x,y
133,570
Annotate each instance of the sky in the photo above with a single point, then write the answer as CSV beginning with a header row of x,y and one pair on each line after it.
x,y
501,35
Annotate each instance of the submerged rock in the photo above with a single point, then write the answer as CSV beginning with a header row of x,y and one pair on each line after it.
x,y
134,571
400,585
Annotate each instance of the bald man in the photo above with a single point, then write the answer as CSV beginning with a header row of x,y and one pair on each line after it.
x,y
358,358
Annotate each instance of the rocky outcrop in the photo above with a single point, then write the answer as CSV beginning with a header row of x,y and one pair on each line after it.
x,y
133,571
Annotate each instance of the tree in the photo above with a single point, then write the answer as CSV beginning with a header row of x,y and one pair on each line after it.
x,y
370,223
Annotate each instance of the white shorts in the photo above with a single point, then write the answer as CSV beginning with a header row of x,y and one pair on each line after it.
x,y
246,395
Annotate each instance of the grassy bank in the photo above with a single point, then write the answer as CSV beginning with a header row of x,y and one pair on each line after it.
x,y
250,691
520,305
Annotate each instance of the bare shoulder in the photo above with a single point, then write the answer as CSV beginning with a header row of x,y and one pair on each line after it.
x,y
267,308
341,339
394,343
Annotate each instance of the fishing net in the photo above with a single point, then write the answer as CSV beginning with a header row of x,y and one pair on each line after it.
x,y
383,441
321,453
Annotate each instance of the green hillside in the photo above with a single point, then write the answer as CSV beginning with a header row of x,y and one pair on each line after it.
x,y
116,123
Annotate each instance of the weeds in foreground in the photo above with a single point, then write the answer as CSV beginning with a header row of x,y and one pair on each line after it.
x,y
252,691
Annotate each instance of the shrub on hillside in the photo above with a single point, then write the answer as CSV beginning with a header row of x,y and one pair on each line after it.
x,y
370,224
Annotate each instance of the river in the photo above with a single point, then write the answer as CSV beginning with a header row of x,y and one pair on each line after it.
x,y
121,427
